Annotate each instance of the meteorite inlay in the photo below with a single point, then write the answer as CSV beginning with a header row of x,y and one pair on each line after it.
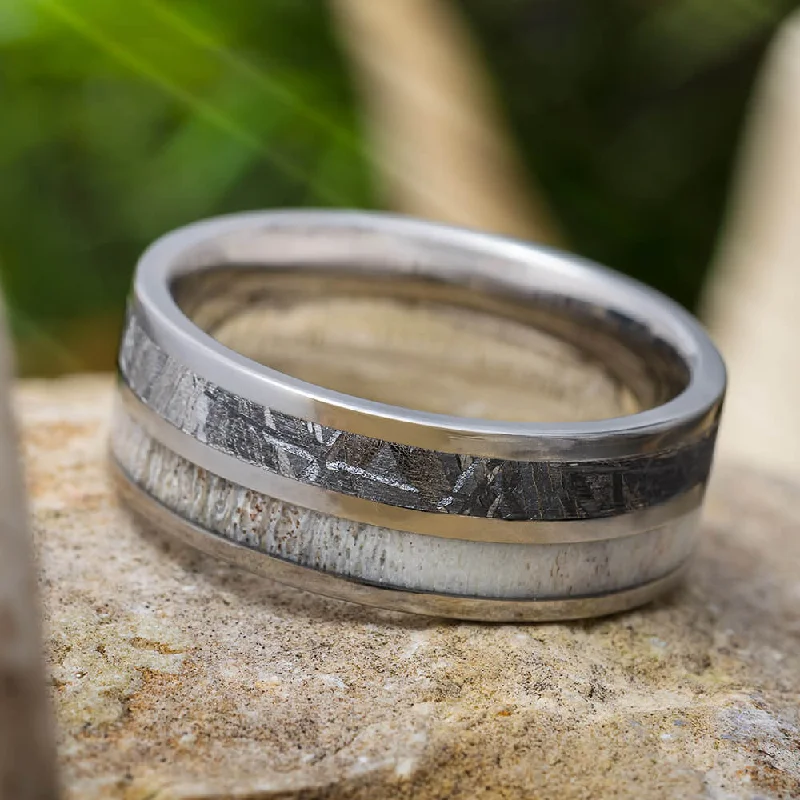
x,y
397,474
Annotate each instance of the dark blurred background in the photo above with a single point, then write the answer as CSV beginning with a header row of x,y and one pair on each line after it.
x,y
121,121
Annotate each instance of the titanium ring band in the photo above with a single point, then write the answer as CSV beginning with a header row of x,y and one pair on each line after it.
x,y
394,507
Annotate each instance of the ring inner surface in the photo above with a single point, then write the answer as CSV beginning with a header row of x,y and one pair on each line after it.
x,y
436,346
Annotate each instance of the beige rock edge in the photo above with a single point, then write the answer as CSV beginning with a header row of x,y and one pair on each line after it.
x,y
177,677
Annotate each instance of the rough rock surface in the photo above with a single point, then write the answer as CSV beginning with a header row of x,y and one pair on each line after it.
x,y
177,677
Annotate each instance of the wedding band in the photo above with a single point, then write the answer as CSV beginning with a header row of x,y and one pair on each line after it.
x,y
396,507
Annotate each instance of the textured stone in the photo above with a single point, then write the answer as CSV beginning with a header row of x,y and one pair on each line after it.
x,y
178,677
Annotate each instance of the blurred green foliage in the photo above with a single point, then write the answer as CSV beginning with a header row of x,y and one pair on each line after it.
x,y
122,121
629,113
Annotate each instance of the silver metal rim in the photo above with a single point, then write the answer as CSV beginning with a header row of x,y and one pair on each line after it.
x,y
448,526
361,240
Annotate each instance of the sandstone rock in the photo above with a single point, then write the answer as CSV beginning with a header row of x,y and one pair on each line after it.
x,y
178,677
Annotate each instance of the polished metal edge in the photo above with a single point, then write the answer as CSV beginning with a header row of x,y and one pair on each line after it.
x,y
342,588
390,245
398,475
379,514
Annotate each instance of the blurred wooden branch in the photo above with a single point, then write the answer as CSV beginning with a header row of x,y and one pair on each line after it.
x,y
436,132
27,754
753,300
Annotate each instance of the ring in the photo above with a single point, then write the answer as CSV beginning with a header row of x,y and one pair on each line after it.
x,y
363,499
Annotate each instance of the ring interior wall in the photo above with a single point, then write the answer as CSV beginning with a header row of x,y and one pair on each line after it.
x,y
649,367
